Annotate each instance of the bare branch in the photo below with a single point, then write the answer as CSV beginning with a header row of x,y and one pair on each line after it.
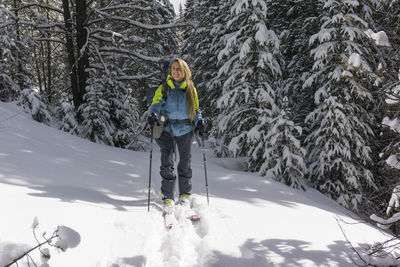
x,y
29,251
351,246
37,4
139,24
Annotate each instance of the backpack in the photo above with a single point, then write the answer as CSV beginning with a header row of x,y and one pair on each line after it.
x,y
151,91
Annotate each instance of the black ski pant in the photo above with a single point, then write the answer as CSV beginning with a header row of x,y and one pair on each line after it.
x,y
184,145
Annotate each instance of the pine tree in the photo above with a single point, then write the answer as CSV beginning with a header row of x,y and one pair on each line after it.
x,y
201,49
249,71
383,17
283,152
191,14
96,124
296,21
36,106
339,149
66,115
14,75
119,47
9,89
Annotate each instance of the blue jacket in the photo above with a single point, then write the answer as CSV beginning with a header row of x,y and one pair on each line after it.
x,y
175,108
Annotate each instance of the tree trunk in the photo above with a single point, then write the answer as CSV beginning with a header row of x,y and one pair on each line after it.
x,y
82,41
36,54
43,67
71,55
20,81
49,63
49,76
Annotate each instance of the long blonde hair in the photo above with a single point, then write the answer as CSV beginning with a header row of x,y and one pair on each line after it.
x,y
189,85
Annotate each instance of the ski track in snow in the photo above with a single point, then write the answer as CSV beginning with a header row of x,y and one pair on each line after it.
x,y
183,245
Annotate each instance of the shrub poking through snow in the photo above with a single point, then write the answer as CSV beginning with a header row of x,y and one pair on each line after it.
x,y
62,238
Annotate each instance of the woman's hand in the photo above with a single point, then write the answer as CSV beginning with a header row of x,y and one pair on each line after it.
x,y
200,127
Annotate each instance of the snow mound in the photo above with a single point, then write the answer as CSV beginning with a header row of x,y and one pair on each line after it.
x,y
380,37
68,238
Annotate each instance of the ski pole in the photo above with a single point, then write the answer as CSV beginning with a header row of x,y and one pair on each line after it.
x,y
151,160
205,167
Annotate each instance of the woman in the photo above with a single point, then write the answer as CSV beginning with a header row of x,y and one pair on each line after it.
x,y
179,104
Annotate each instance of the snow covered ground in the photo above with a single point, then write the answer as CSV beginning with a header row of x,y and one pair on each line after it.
x,y
101,192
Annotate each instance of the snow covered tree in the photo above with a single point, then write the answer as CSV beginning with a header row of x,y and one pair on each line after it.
x,y
14,75
387,19
9,89
376,54
283,152
96,124
36,106
191,14
41,20
66,115
339,143
120,118
295,21
16,83
119,47
201,48
248,73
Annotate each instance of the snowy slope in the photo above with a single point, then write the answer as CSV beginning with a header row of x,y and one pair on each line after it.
x,y
100,192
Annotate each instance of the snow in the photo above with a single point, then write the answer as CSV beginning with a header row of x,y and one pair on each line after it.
x,y
101,193
68,238
394,124
380,38
355,60
393,161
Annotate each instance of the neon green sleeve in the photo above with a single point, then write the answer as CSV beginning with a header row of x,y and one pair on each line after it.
x,y
196,99
158,95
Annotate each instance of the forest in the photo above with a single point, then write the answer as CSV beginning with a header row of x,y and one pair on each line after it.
x,y
304,92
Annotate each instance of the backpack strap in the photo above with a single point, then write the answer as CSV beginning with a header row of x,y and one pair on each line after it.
x,y
166,90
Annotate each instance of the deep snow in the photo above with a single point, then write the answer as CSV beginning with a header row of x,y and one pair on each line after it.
x,y
101,192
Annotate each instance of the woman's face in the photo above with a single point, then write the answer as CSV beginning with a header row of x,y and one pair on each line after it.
x,y
177,72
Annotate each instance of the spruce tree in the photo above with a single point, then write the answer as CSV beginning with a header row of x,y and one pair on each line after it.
x,y
14,74
385,42
124,53
296,21
339,149
66,116
248,74
96,125
191,15
283,153
201,49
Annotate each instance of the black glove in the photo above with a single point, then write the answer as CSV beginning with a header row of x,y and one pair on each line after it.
x,y
152,120
200,127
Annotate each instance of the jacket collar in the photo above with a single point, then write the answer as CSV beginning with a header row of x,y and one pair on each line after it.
x,y
172,85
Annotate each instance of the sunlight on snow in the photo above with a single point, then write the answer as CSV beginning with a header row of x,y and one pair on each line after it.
x,y
90,173
225,178
133,175
248,189
25,151
14,181
123,198
118,162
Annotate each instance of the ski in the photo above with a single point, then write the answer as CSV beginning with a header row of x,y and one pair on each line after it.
x,y
190,214
194,218
173,219
169,226
169,220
